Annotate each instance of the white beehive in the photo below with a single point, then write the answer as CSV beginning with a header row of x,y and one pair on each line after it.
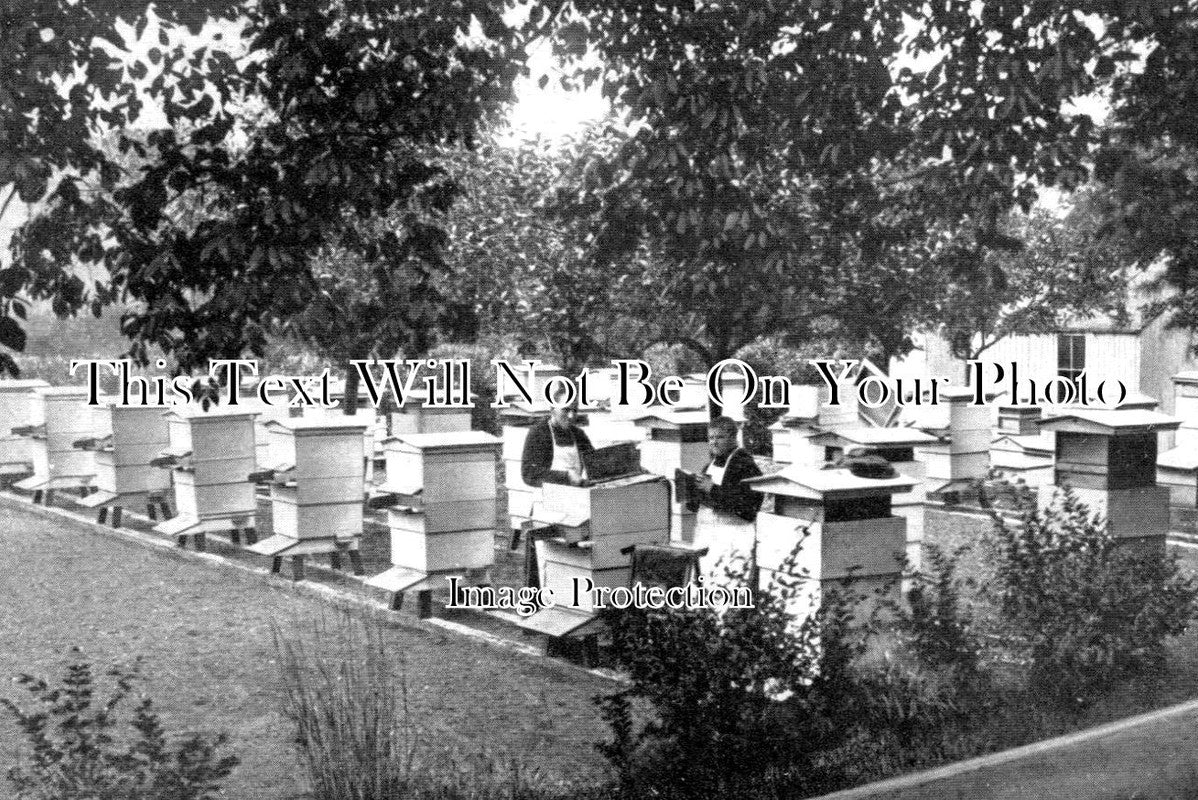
x,y
275,409
63,418
1109,459
415,417
1027,457
448,491
212,455
123,467
674,440
19,407
597,524
899,447
843,527
319,477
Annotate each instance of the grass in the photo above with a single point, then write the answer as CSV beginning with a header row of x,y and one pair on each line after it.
x,y
206,635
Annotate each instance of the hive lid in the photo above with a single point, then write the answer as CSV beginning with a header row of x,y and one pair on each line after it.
x,y
875,437
1183,458
1110,422
309,425
814,483
1029,442
447,440
662,416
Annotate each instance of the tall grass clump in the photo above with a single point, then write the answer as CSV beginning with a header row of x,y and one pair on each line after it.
x,y
346,689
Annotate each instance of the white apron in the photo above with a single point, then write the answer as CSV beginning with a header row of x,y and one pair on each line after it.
x,y
565,457
728,538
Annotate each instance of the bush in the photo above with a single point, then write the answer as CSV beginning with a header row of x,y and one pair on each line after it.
x,y
746,703
936,626
79,751
1084,610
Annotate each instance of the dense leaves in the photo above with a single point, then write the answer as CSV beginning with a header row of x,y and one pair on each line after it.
x,y
1085,610
312,118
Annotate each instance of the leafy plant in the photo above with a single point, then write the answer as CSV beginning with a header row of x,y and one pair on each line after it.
x,y
81,752
1085,610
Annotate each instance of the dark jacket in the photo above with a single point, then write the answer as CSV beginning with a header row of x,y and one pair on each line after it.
x,y
733,496
538,454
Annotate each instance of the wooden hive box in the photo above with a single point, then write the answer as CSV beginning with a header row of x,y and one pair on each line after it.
x,y
561,564
445,551
674,440
19,407
212,500
443,467
217,455
219,434
322,457
849,519
632,510
415,417
294,518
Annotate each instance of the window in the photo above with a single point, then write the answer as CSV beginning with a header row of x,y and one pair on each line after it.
x,y
1071,355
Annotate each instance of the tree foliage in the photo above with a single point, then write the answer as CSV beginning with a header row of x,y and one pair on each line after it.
x,y
1085,610
279,149
1055,269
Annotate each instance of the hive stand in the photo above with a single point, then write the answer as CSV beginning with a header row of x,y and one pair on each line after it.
x,y
63,418
125,473
317,485
18,409
441,499
210,458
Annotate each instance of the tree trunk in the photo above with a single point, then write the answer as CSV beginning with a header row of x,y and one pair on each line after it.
x,y
349,402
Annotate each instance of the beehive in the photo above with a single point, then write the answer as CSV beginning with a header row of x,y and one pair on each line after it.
x,y
124,470
1109,457
515,422
19,407
318,484
597,524
446,482
842,526
62,418
212,455
415,417
674,440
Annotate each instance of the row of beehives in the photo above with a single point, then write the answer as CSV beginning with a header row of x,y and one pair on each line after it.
x,y
439,490
210,462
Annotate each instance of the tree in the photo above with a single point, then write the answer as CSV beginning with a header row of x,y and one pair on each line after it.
x,y
521,270
1053,269
321,123
788,161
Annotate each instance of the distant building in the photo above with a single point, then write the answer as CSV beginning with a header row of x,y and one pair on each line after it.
x,y
1140,350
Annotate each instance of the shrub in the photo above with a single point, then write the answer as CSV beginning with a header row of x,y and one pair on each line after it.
x,y
746,703
1084,610
80,752
935,625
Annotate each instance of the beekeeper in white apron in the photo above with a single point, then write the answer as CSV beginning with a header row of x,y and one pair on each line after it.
x,y
726,506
